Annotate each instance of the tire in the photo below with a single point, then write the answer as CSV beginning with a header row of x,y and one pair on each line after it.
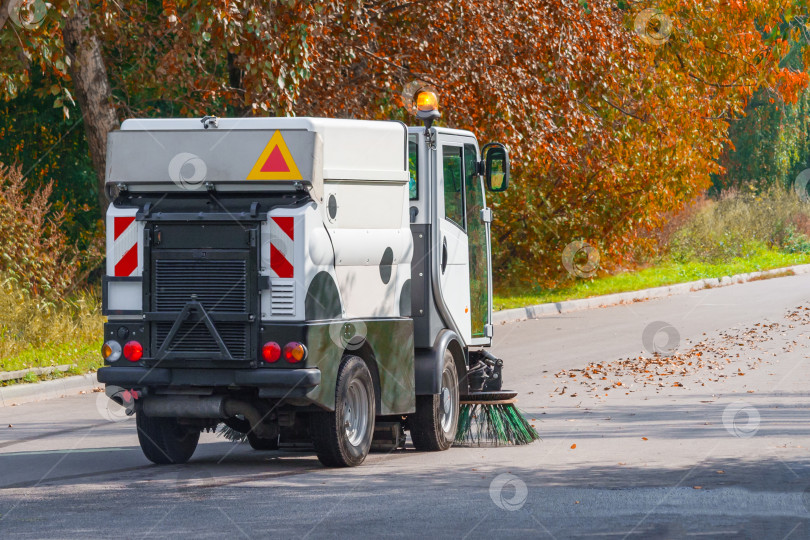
x,y
262,444
432,427
343,438
165,441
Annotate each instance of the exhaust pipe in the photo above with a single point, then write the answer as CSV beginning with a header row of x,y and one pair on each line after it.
x,y
218,407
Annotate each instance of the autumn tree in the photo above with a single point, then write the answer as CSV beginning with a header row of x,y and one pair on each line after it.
x,y
616,114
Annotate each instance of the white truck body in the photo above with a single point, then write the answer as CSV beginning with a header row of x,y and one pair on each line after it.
x,y
250,261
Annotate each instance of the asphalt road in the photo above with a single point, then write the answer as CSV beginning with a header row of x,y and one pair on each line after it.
x,y
710,441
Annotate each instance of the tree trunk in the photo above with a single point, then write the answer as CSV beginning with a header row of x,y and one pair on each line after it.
x,y
4,5
91,87
235,82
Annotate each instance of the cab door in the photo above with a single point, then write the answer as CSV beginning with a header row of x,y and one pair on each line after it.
x,y
453,254
464,241
478,242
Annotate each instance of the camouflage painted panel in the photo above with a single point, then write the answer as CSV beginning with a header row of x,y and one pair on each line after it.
x,y
385,343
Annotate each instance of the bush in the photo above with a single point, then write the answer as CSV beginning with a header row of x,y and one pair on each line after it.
x,y
37,332
743,225
34,249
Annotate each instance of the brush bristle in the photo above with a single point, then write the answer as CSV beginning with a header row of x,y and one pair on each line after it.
x,y
483,424
231,434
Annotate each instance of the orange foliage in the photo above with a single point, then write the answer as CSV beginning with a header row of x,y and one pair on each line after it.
x,y
613,125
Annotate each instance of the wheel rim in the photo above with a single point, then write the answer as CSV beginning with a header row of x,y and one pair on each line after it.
x,y
448,398
356,413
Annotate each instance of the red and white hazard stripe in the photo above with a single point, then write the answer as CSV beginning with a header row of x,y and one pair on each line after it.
x,y
122,244
282,246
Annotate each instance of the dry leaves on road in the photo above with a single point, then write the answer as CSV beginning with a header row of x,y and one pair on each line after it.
x,y
703,362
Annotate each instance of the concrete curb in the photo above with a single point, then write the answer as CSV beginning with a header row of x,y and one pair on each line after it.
x,y
557,308
26,393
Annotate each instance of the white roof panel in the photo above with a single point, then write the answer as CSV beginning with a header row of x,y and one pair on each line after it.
x,y
322,148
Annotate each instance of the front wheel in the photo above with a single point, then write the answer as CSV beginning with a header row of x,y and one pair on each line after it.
x,y
343,438
166,441
433,426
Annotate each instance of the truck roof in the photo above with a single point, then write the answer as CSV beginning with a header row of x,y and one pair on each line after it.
x,y
262,151
443,130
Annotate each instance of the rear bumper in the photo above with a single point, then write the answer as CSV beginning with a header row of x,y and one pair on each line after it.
x,y
270,382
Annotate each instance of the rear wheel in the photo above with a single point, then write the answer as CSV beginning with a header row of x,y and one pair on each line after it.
x,y
433,426
166,441
343,438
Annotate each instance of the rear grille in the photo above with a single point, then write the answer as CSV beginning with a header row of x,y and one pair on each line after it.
x,y
220,285
282,299
195,338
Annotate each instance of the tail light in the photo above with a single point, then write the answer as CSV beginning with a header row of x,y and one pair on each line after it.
x,y
271,352
111,351
133,351
294,352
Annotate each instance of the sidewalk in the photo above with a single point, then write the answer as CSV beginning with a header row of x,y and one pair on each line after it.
x,y
26,393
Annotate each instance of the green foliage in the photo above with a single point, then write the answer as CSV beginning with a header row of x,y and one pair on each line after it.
x,y
51,148
743,225
769,146
39,333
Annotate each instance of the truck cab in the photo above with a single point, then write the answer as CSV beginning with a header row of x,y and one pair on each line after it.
x,y
296,279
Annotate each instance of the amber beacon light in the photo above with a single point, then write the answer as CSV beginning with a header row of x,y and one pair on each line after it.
x,y
427,101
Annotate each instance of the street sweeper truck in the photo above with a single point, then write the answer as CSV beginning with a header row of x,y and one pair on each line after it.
x,y
299,280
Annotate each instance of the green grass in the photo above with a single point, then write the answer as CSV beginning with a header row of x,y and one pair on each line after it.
x,y
83,356
665,273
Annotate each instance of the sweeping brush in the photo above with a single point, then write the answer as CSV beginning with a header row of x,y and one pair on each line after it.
x,y
231,434
491,418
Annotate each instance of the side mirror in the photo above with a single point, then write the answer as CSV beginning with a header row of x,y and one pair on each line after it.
x,y
496,167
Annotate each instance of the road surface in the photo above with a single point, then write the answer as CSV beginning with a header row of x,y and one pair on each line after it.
x,y
709,440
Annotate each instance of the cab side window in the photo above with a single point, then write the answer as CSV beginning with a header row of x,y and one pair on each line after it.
x,y
413,167
453,185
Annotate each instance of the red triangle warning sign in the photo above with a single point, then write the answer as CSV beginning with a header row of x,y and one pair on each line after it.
x,y
275,162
